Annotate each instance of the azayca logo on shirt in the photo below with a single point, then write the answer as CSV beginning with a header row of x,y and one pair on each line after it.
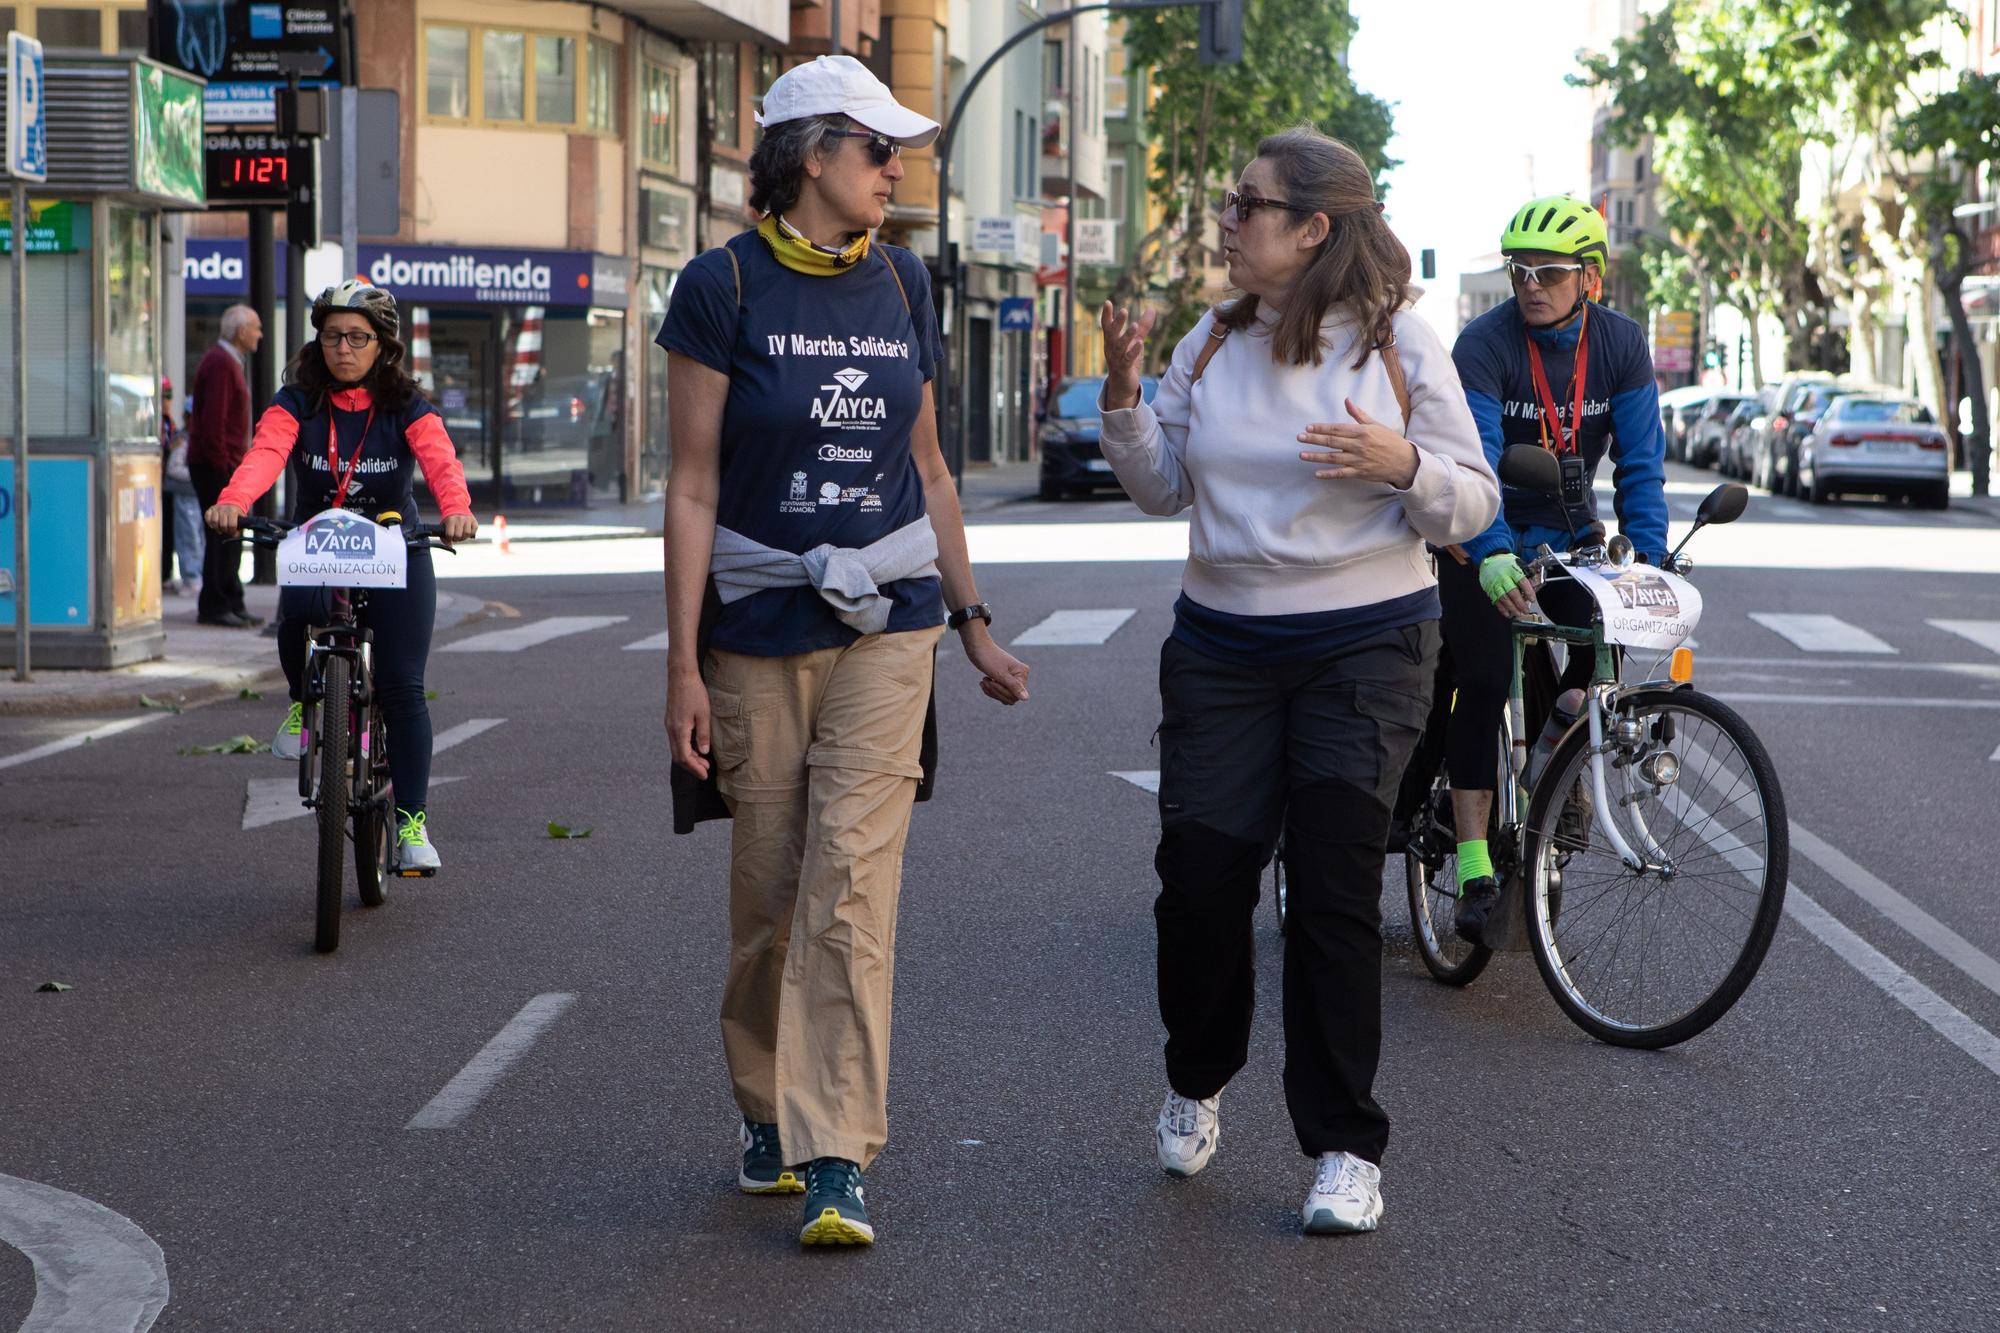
x,y
842,406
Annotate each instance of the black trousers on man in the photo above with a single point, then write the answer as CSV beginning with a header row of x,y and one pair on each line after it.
x,y
1317,748
221,566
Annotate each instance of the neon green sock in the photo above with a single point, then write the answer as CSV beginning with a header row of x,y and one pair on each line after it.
x,y
1473,861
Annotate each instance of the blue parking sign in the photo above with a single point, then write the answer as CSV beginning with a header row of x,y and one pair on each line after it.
x,y
27,110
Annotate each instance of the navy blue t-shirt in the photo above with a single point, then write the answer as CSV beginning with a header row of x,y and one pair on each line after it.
x,y
826,381
384,473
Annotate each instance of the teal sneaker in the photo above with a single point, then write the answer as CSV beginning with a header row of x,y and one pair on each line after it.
x,y
290,742
836,1213
764,1170
414,854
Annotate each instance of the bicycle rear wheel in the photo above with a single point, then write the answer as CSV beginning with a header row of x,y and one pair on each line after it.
x,y
1281,889
335,747
1650,958
373,821
1430,872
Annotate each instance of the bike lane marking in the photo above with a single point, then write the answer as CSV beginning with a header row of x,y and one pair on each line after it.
x,y
95,1270
81,738
274,800
657,643
532,634
483,1072
1940,1014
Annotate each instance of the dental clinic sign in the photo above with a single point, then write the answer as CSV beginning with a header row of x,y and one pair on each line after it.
x,y
498,277
341,549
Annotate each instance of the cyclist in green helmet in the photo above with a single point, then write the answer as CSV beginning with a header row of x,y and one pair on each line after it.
x,y
1550,367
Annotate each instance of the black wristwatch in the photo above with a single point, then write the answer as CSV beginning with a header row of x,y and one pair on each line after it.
x,y
977,611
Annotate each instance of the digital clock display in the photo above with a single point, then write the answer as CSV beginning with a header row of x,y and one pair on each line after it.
x,y
253,168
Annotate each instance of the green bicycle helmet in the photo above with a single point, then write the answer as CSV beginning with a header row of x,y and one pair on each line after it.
x,y
1558,224
363,298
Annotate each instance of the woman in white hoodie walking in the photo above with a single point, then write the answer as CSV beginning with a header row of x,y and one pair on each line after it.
x,y
1299,671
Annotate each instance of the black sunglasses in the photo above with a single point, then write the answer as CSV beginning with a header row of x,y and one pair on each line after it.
x,y
880,146
1247,204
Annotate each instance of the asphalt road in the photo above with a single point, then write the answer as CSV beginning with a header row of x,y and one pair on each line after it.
x,y
1824,1157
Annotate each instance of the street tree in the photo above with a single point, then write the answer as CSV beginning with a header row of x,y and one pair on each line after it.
x,y
1293,71
1958,132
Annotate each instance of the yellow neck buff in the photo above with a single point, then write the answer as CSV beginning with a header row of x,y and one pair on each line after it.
x,y
792,249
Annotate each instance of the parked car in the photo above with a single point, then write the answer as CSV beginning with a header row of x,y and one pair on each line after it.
x,y
1746,426
1071,460
1704,438
1876,442
1678,408
1773,442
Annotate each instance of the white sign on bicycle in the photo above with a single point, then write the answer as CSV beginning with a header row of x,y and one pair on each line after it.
x,y
1643,607
341,549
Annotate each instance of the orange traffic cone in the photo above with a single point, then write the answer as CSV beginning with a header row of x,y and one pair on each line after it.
x,y
500,529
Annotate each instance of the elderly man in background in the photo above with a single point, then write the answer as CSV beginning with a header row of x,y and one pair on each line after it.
x,y
218,427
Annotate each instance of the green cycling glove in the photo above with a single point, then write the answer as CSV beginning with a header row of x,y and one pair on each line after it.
x,y
1499,574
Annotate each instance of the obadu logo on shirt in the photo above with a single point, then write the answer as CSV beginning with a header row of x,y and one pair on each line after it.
x,y
843,407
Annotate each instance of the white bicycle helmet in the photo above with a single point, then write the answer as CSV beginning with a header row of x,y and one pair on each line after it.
x,y
362,297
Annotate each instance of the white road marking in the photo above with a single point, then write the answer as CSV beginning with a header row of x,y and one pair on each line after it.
x,y
464,731
1947,1019
1821,634
1934,934
1985,633
1971,670
530,635
1075,627
1995,756
1143,779
95,1270
269,801
81,738
1857,700
658,643
458,1098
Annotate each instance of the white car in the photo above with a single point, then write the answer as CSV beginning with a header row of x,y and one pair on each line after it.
x,y
1877,444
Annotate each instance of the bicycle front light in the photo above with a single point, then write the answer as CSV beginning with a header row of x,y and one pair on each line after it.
x,y
1661,768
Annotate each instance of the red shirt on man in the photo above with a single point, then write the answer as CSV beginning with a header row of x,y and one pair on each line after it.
x,y
218,420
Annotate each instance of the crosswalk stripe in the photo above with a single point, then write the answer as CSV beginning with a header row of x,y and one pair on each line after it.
x,y
274,800
1145,779
1075,627
1985,633
658,643
464,731
1821,634
531,634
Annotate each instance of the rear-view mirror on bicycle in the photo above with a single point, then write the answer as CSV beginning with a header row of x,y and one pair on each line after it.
x,y
1724,504
1531,468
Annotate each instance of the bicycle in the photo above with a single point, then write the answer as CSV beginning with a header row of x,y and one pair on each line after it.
x,y
344,767
1659,800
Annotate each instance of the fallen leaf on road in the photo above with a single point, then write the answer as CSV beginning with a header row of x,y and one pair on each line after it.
x,y
148,701
565,831
53,987
234,745
249,694
430,694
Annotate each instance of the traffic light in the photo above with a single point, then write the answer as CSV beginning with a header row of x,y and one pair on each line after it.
x,y
1222,32
302,208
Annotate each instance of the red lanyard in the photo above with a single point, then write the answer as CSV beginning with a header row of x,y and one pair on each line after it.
x,y
333,454
1550,419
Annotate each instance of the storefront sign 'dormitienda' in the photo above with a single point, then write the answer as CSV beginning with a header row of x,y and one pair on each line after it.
x,y
526,277
341,549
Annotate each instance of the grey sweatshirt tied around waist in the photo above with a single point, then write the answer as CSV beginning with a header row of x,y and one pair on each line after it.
x,y
849,579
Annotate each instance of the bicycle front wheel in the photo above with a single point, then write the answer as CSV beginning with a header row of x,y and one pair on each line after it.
x,y
1651,957
335,746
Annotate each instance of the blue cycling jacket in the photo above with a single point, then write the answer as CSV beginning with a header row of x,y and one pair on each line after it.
x,y
1621,415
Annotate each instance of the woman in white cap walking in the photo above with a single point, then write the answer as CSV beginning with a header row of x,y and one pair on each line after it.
x,y
815,555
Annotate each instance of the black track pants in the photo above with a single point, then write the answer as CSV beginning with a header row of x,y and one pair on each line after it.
x,y
1316,748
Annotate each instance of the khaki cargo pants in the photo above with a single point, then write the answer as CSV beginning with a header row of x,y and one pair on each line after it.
x,y
816,755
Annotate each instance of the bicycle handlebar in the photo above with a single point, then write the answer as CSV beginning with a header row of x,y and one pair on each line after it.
x,y
267,532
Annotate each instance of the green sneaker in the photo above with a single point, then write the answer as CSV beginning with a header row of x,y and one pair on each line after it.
x,y
836,1213
290,742
764,1170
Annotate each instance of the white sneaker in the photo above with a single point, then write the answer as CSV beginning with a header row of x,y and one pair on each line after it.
x,y
414,853
1346,1196
290,742
1187,1133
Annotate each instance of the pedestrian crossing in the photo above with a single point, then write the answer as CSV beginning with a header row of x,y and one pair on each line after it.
x,y
1815,634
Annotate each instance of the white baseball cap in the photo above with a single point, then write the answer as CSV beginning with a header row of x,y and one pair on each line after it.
x,y
843,86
